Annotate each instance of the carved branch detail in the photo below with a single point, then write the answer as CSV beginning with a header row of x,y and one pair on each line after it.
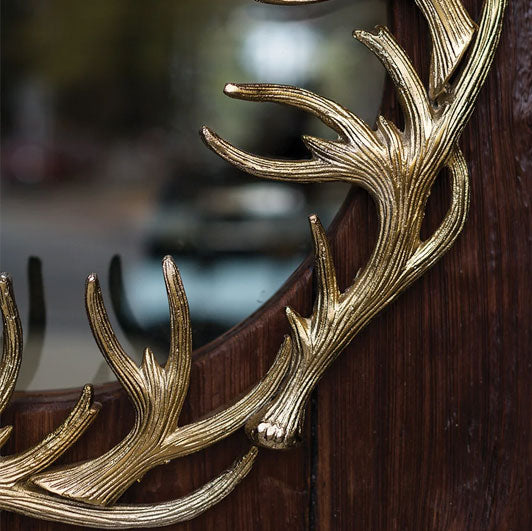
x,y
397,167
157,394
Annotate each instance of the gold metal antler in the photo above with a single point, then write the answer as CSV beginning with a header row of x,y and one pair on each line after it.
x,y
157,394
16,468
398,168
451,29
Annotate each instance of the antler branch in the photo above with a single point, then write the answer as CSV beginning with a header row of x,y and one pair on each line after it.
x,y
18,492
399,168
451,29
32,503
18,467
157,394
357,151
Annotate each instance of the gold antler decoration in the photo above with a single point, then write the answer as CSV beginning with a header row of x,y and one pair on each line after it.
x,y
398,168
157,394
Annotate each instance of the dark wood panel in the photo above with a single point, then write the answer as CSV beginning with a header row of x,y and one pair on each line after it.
x,y
425,421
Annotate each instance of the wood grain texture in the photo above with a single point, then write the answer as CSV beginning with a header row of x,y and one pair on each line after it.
x,y
425,421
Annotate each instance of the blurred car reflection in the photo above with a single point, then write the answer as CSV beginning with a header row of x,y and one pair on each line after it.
x,y
239,242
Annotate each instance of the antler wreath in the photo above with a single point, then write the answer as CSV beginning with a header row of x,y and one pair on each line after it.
x,y
397,167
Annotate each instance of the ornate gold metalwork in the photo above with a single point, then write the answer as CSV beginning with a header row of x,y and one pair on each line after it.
x,y
398,168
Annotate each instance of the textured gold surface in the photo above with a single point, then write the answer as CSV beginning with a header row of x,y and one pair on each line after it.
x,y
397,167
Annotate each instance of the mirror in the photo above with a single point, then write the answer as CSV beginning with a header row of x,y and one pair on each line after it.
x,y
103,170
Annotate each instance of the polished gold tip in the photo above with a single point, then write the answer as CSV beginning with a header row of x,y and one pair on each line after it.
x,y
231,89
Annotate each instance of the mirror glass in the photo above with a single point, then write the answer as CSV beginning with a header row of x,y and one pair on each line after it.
x,y
102,169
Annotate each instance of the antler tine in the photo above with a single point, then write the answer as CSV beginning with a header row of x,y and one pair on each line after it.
x,y
471,78
5,433
302,171
126,371
304,329
40,505
344,122
16,468
444,236
412,95
12,344
328,294
329,163
451,30
178,363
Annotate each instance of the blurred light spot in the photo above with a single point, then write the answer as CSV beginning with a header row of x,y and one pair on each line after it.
x,y
282,51
258,200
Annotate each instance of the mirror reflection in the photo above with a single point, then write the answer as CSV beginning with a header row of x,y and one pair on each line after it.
x,y
102,169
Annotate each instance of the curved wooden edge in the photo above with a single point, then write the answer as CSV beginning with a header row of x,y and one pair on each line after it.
x,y
270,314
